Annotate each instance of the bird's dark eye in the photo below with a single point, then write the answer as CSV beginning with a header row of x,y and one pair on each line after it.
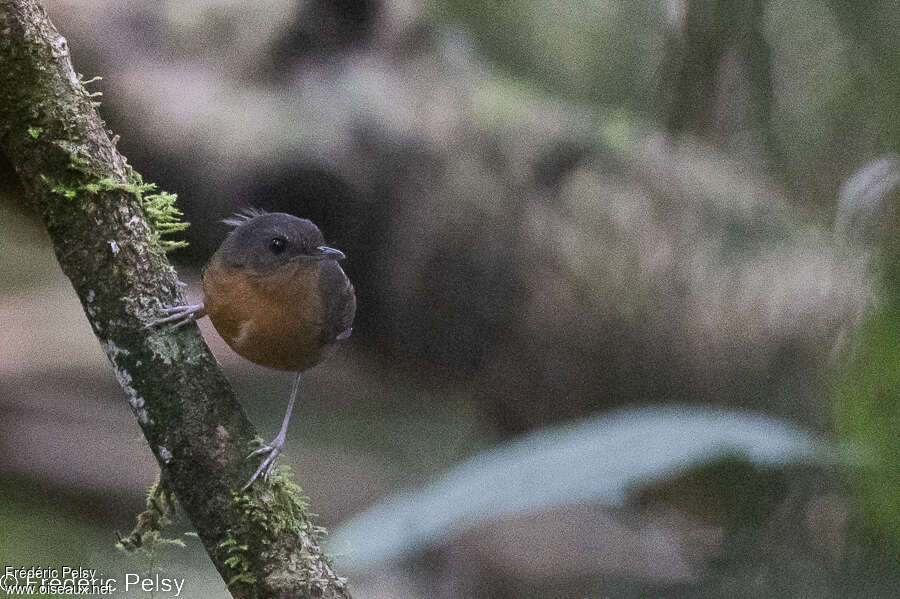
x,y
277,245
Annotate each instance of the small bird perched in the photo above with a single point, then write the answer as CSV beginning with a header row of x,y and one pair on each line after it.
x,y
277,295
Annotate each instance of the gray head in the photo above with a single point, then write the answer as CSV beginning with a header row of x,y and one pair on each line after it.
x,y
266,240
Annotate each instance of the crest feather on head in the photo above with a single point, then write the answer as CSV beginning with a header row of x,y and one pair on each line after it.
x,y
239,218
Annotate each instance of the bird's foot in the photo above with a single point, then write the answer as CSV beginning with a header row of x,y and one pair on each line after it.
x,y
179,315
272,451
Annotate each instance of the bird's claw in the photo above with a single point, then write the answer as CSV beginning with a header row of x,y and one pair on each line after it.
x,y
265,468
179,315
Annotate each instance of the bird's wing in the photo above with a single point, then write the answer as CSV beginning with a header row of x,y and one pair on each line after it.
x,y
339,300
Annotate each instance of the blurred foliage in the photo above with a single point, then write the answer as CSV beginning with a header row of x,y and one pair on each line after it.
x,y
867,387
868,415
819,78
603,52
43,528
600,460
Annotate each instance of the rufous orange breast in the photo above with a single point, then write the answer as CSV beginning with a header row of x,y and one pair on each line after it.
x,y
274,319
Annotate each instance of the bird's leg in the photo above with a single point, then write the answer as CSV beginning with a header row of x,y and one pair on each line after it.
x,y
179,315
273,449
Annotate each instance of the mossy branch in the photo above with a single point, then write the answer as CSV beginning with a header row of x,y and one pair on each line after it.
x,y
96,210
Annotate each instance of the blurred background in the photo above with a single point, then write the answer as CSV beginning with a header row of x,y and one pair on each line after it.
x,y
629,321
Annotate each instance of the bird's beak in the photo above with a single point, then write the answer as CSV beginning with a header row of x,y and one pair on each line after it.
x,y
331,252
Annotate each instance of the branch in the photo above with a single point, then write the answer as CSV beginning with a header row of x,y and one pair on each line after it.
x,y
262,542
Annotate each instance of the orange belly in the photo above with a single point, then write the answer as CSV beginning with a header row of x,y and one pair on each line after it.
x,y
275,320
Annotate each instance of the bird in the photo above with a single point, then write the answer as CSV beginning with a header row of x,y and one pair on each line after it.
x,y
276,294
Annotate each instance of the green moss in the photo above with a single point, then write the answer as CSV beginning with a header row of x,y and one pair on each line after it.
x,y
164,218
146,537
275,515
159,208
239,562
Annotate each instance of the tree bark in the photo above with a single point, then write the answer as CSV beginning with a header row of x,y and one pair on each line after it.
x,y
262,542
